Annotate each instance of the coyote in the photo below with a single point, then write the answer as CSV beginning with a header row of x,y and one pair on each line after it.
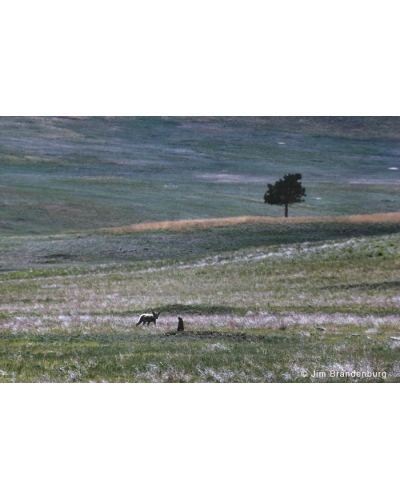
x,y
148,318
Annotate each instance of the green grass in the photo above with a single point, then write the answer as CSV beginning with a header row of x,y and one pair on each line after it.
x,y
252,314
62,174
261,302
72,253
194,357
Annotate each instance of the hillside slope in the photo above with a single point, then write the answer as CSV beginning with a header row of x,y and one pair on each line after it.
x,y
62,173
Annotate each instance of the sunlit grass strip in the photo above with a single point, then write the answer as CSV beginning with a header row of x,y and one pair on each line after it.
x,y
201,357
189,224
289,321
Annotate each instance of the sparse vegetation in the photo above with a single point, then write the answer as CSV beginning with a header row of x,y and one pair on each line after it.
x,y
263,299
63,174
255,314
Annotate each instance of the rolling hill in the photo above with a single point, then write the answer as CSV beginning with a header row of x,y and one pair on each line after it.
x,y
69,173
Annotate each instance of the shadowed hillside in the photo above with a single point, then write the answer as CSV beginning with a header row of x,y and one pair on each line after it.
x,y
63,173
352,127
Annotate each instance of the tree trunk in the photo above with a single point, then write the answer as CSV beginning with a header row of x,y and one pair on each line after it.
x,y
286,210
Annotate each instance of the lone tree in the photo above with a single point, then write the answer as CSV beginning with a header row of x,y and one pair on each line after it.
x,y
285,191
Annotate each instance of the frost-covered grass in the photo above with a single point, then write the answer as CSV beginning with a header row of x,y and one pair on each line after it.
x,y
356,276
187,234
290,322
254,314
201,356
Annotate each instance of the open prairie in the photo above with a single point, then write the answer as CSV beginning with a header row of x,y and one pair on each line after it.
x,y
103,219
65,174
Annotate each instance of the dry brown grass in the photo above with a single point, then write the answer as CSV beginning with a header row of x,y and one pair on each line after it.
x,y
189,224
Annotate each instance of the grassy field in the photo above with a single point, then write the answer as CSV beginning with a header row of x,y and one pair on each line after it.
x,y
64,174
268,312
104,219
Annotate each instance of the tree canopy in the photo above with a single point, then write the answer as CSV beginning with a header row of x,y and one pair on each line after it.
x,y
285,191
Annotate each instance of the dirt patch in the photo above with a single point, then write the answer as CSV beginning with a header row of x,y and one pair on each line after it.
x,y
54,258
204,334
